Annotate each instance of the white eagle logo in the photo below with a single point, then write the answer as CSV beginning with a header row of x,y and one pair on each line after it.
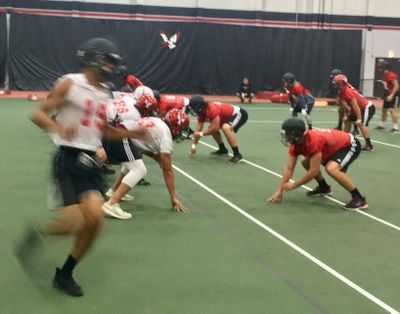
x,y
171,42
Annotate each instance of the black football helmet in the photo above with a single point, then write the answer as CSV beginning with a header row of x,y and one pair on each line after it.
x,y
383,65
333,73
197,104
288,78
292,131
121,72
157,95
94,51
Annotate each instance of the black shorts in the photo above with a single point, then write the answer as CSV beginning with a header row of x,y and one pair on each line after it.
x,y
395,103
75,172
238,120
120,151
366,115
309,106
347,155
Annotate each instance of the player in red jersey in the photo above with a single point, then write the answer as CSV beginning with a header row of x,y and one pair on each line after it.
x,y
126,79
391,97
300,98
168,102
356,108
227,117
332,148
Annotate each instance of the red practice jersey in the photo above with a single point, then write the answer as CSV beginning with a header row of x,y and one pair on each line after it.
x,y
297,89
132,80
168,102
388,78
215,109
346,94
326,141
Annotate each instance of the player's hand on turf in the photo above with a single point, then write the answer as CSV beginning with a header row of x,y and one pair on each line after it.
x,y
276,197
192,152
178,206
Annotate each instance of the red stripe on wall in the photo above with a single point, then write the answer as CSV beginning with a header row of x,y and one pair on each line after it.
x,y
198,19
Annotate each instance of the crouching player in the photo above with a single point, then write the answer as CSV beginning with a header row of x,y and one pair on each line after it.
x,y
332,148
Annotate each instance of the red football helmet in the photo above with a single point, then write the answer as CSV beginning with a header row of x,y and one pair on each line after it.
x,y
340,79
177,122
147,105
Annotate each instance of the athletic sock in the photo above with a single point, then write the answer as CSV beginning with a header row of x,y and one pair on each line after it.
x,y
222,146
69,265
356,193
323,184
368,141
235,151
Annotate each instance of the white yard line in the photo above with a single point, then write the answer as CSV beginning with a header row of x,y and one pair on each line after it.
x,y
309,189
312,258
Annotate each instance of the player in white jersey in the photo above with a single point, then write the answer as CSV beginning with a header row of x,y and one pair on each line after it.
x,y
122,152
158,145
80,100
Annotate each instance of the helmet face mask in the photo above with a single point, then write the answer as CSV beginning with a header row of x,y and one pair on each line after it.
x,y
292,131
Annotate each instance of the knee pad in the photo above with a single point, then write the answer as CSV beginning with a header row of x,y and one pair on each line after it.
x,y
137,171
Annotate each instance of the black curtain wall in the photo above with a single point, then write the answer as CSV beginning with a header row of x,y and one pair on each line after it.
x,y
3,47
207,58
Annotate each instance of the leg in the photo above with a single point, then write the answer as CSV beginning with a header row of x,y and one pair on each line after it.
x,y
393,112
323,188
381,124
222,149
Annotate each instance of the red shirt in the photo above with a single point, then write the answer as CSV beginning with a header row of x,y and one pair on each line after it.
x,y
346,94
133,81
215,109
388,78
297,89
326,141
168,102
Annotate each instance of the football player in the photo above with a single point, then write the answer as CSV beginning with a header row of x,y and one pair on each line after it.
x,y
332,148
159,143
300,98
225,117
357,109
80,101
124,79
391,97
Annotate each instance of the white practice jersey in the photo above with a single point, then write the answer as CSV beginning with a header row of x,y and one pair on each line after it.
x,y
159,138
85,108
122,105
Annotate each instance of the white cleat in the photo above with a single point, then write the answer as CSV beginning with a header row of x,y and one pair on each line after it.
x,y
126,197
115,211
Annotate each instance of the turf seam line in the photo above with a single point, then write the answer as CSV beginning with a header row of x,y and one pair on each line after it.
x,y
291,244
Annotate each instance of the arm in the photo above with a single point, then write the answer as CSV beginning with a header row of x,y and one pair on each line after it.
x,y
112,133
56,99
165,161
312,172
356,110
199,127
394,91
287,174
214,127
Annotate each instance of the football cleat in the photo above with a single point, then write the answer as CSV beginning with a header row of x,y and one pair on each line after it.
x,y
320,191
356,203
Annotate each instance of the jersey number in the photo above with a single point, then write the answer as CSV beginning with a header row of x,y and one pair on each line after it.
x,y
94,116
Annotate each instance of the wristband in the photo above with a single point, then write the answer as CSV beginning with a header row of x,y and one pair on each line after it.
x,y
201,134
193,146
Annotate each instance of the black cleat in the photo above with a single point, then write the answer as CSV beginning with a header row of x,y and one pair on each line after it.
x,y
356,203
67,284
236,159
27,248
395,131
143,182
318,191
220,152
379,127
